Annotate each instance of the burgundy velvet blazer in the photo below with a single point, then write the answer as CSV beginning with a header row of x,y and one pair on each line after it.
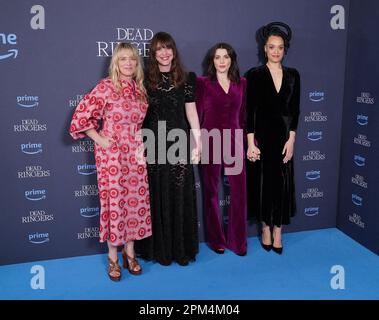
x,y
218,109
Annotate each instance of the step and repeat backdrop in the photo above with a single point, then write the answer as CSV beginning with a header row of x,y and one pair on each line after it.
x,y
52,53
359,176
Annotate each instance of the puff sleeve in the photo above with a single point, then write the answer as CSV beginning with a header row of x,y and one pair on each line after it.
x,y
89,111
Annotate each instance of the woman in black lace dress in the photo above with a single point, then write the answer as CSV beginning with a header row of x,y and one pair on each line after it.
x,y
171,95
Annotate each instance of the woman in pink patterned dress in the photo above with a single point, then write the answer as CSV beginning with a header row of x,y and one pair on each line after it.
x,y
120,102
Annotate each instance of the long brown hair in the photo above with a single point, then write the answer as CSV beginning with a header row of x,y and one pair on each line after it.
x,y
164,40
233,73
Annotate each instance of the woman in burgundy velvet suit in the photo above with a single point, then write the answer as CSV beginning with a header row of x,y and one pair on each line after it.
x,y
221,107
273,98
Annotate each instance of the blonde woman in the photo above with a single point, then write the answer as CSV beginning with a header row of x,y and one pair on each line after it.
x,y
120,102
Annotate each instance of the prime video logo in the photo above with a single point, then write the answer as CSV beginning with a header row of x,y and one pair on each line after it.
x,y
35,195
27,101
8,39
89,212
362,120
316,96
357,200
359,160
31,148
86,169
39,238
314,135
310,212
313,175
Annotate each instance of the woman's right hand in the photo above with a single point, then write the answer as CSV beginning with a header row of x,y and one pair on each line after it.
x,y
104,142
196,155
253,153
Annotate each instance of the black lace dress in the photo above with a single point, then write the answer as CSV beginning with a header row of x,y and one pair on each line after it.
x,y
172,186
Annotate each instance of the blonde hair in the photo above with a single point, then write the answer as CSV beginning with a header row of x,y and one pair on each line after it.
x,y
114,71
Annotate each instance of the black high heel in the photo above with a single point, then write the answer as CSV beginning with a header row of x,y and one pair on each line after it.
x,y
277,250
267,247
219,251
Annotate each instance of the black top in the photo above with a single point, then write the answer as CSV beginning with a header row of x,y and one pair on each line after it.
x,y
167,103
263,99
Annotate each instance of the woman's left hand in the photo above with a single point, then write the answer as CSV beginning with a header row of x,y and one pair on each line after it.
x,y
288,150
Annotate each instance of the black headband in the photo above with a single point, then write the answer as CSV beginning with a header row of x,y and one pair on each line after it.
x,y
280,27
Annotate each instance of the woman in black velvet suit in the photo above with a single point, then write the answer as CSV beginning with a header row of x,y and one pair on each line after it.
x,y
273,98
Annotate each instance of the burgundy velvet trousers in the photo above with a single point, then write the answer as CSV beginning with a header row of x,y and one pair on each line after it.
x,y
235,238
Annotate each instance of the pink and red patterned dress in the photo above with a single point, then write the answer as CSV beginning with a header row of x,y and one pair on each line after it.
x,y
121,171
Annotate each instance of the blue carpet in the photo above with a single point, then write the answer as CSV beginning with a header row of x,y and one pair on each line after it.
x,y
302,272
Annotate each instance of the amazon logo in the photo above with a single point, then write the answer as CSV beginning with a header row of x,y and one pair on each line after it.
x,y
359,160
86,169
357,200
362,120
39,238
10,39
27,101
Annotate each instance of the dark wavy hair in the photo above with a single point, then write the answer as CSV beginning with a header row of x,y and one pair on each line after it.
x,y
279,29
233,73
164,40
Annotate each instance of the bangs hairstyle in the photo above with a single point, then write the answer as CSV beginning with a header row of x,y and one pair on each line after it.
x,y
114,71
233,72
164,40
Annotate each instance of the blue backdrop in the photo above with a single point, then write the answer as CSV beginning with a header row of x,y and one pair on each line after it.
x,y
359,177
54,52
